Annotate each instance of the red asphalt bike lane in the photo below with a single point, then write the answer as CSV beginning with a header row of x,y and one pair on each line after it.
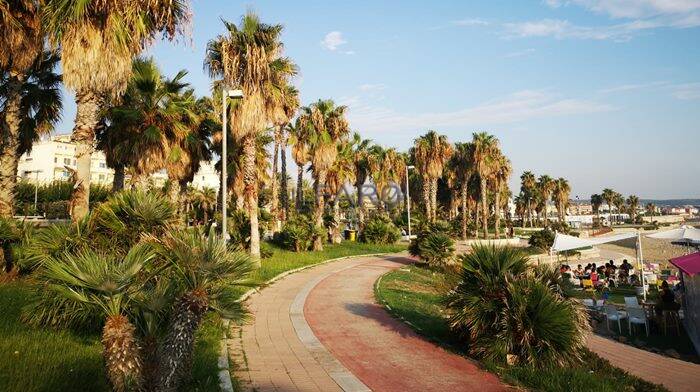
x,y
384,353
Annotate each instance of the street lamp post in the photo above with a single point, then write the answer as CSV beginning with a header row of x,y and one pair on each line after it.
x,y
408,201
236,94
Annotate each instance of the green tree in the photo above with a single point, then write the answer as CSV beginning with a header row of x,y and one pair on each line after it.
x,y
545,186
486,151
562,191
633,204
432,152
528,183
462,165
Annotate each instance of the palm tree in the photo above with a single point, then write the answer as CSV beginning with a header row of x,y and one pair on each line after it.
x,y
619,202
249,57
432,152
633,203
561,193
285,102
546,186
527,188
98,40
290,105
596,202
39,109
205,269
152,123
608,195
205,201
197,144
21,44
503,170
461,164
520,208
386,166
362,148
651,209
104,284
299,139
486,151
328,125
339,174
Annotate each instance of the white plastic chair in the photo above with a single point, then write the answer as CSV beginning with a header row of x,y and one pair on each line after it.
x,y
611,313
599,304
637,316
632,302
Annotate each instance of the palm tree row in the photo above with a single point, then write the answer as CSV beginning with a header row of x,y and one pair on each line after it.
x,y
535,195
615,199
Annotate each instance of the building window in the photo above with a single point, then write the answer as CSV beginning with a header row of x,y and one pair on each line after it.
x,y
55,160
66,161
73,162
66,174
102,177
103,165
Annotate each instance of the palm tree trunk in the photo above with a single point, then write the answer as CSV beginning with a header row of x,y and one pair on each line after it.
x,y
360,205
8,155
118,181
529,211
176,352
300,184
174,192
433,197
284,196
484,208
318,211
250,181
86,119
465,212
497,211
336,217
476,219
122,354
274,204
426,198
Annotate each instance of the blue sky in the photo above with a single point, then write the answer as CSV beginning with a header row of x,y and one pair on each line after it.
x,y
605,93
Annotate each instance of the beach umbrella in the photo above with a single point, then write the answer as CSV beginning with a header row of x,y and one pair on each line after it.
x,y
685,234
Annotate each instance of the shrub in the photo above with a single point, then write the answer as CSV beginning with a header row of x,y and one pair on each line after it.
x,y
511,313
543,239
380,230
424,230
296,234
437,249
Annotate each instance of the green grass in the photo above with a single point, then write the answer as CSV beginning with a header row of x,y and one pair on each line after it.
x,y
414,295
42,359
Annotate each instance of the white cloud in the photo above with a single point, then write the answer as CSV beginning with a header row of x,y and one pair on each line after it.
x,y
372,87
333,40
553,3
632,87
562,29
686,91
514,108
519,53
639,8
470,22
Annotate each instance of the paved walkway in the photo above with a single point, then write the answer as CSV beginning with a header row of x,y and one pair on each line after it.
x,y
674,374
277,350
381,351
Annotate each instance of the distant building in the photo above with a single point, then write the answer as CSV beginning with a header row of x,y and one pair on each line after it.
x,y
680,210
51,159
580,208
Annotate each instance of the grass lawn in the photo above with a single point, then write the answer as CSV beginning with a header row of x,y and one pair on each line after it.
x,y
414,294
42,359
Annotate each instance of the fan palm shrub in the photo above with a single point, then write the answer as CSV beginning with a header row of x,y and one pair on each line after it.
x,y
508,312
205,270
543,239
102,284
296,234
380,230
437,249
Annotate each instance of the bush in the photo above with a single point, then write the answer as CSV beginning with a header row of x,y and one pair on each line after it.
x,y
437,249
424,230
511,313
543,239
296,234
380,230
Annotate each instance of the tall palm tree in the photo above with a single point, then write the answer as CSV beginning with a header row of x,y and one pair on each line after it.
x,y
462,165
520,208
98,40
328,125
152,122
486,151
527,187
39,109
608,195
361,154
501,175
291,105
650,208
619,202
197,143
299,139
545,185
596,202
386,166
286,103
633,203
249,57
340,173
562,191
432,152
21,43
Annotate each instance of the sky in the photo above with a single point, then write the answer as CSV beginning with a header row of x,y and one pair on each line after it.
x,y
605,93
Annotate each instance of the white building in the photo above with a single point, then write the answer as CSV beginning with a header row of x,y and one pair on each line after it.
x,y
50,159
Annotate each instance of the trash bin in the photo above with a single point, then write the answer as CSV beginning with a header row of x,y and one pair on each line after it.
x,y
351,235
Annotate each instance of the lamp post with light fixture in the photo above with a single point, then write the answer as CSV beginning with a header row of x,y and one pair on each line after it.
x,y
235,94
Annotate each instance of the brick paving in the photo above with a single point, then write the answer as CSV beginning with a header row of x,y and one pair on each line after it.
x,y
674,374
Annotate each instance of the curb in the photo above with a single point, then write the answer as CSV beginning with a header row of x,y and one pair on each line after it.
x,y
225,382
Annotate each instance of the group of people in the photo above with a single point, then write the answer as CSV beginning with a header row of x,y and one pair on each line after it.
x,y
608,274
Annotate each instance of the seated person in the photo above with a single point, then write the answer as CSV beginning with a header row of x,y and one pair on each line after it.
x,y
667,299
625,269
578,271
